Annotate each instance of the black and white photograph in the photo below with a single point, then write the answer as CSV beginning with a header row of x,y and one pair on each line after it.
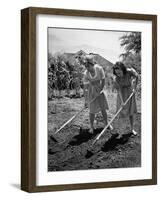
x,y
94,99
89,99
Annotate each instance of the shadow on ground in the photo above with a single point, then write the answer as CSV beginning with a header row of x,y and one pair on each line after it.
x,y
84,136
111,144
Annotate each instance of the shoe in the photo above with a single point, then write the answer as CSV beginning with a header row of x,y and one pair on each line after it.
x,y
118,136
110,127
134,132
91,130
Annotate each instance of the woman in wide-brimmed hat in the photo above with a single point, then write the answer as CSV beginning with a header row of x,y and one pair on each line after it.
x,y
94,82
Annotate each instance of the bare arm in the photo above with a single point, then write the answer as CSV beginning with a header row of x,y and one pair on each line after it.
x,y
134,80
102,84
85,88
85,91
134,83
102,74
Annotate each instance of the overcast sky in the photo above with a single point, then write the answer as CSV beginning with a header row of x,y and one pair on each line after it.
x,y
105,43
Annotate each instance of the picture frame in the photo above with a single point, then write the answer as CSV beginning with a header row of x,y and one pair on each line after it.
x,y
29,70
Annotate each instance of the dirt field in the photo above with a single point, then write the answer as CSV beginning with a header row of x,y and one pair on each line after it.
x,y
71,148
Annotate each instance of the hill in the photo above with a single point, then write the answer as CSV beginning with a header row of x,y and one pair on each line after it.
x,y
71,59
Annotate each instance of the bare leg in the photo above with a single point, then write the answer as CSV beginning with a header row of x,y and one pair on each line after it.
x,y
60,94
91,116
131,118
104,114
68,92
131,122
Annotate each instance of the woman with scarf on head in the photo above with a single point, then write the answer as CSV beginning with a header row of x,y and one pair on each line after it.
x,y
94,82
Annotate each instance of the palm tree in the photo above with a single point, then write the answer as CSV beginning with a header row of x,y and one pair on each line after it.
x,y
131,43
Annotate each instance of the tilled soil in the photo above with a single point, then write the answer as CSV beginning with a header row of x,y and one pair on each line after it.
x,y
72,149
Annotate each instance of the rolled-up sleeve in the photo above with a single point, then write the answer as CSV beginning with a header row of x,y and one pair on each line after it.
x,y
133,72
